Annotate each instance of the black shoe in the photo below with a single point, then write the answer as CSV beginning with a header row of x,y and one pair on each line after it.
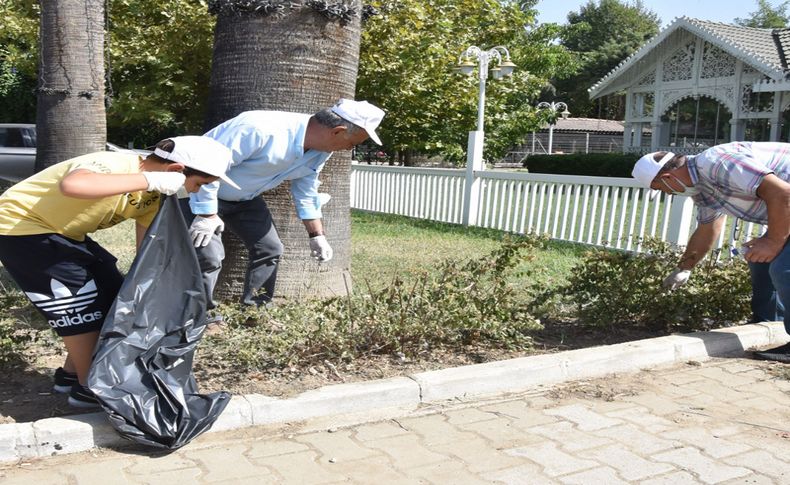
x,y
779,354
82,397
64,380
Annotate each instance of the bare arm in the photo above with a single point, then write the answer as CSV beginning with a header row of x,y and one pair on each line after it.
x,y
314,226
139,231
700,243
84,184
776,194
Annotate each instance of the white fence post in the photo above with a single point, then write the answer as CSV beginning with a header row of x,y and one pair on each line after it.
x,y
600,210
680,213
474,163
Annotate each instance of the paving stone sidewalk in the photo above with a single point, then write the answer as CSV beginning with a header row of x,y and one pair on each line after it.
x,y
726,420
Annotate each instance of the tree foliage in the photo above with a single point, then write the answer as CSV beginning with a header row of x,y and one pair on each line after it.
x,y
160,58
767,16
406,66
602,35
18,59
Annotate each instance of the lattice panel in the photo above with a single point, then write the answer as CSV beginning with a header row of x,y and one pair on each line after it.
x,y
648,80
716,62
678,67
752,102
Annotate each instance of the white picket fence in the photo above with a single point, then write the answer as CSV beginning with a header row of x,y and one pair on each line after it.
x,y
600,211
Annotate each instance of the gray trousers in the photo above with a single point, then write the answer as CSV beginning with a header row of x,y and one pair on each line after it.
x,y
252,222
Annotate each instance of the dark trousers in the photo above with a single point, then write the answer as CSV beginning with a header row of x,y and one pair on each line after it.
x,y
252,222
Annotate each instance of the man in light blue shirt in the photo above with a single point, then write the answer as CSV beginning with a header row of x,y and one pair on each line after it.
x,y
268,148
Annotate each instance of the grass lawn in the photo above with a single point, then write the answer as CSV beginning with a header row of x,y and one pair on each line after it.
x,y
384,246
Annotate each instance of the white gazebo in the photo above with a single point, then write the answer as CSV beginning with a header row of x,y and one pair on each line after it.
x,y
698,83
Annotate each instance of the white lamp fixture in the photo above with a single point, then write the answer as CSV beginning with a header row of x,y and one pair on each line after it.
x,y
554,107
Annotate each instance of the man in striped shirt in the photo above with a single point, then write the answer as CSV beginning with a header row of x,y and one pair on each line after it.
x,y
747,180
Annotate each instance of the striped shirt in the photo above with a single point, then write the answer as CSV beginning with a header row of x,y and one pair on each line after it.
x,y
728,176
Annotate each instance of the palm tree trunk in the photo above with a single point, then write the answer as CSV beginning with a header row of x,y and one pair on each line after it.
x,y
70,116
301,61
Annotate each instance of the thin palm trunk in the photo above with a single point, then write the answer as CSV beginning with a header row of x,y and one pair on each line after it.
x,y
70,116
299,62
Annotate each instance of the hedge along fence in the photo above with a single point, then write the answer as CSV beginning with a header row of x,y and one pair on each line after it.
x,y
591,164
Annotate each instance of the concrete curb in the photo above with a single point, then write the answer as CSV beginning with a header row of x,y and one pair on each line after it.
x,y
394,397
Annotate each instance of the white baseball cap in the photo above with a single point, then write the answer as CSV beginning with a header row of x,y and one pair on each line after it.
x,y
200,153
646,169
362,114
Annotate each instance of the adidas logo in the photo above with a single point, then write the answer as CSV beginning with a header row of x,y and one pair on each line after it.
x,y
64,302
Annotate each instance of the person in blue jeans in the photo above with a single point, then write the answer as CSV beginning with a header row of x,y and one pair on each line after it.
x,y
746,180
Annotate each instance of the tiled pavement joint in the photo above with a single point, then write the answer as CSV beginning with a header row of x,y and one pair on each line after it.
x,y
389,398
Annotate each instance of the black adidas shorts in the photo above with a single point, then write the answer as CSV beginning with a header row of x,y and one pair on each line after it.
x,y
72,283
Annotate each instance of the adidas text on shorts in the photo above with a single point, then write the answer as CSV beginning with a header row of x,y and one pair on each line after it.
x,y
71,283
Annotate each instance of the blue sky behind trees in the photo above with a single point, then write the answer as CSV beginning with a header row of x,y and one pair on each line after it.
x,y
714,10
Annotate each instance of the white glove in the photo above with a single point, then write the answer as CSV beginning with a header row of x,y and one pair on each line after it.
x,y
323,198
166,183
203,228
320,248
676,279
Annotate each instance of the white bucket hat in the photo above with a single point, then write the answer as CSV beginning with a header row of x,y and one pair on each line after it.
x,y
200,153
362,114
646,169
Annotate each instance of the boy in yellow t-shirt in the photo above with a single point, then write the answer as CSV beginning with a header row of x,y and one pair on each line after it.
x,y
44,225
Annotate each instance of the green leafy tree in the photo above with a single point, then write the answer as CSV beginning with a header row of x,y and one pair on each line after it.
x,y
767,16
18,59
159,58
406,66
602,35
160,64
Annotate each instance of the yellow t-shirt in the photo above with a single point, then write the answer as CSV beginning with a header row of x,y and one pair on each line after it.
x,y
37,206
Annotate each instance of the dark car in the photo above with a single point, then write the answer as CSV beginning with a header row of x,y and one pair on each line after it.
x,y
18,150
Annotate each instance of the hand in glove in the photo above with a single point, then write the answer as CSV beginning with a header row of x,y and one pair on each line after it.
x,y
320,248
166,183
676,279
203,228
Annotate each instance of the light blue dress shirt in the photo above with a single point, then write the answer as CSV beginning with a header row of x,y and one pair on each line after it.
x,y
267,148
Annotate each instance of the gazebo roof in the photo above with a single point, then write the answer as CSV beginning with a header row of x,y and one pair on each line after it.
x,y
763,49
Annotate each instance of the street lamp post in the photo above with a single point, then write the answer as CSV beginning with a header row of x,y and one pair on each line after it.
x,y
554,107
471,57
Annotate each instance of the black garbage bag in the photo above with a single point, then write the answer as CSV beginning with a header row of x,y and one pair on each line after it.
x,y
142,368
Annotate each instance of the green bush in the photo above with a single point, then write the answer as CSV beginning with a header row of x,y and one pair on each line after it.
x,y
592,164
458,304
615,288
12,343
20,326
